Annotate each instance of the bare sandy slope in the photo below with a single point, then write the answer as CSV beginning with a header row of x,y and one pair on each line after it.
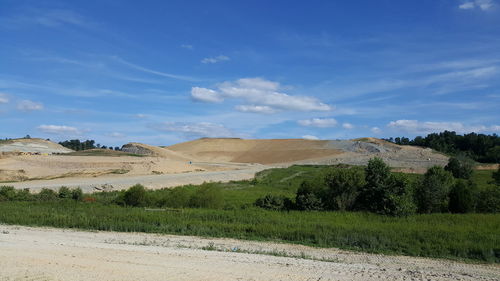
x,y
56,254
118,182
32,145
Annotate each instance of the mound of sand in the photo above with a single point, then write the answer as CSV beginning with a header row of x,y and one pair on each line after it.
x,y
32,146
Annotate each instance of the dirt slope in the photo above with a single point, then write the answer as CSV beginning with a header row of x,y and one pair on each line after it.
x,y
149,150
32,145
254,151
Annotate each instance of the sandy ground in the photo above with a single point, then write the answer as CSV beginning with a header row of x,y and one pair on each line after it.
x,y
56,254
117,182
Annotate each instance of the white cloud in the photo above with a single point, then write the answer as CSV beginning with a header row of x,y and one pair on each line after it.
x,y
480,4
318,122
347,126
215,59
418,127
59,130
3,98
255,109
140,115
151,71
202,129
309,137
187,46
376,130
205,95
27,105
260,92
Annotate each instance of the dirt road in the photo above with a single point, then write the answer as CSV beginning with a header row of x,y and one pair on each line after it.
x,y
150,181
56,254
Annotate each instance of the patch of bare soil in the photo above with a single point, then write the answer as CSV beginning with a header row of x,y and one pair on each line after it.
x,y
56,254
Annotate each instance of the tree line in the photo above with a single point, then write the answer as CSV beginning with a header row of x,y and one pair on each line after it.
x,y
78,145
480,147
375,189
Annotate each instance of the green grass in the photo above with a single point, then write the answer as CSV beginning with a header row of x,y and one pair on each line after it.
x,y
101,152
471,236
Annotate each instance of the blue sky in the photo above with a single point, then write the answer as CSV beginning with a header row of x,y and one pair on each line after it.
x,y
163,72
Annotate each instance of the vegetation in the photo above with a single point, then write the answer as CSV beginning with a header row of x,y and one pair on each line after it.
x,y
101,152
78,145
233,210
480,147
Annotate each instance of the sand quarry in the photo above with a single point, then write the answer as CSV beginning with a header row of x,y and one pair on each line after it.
x,y
36,163
56,254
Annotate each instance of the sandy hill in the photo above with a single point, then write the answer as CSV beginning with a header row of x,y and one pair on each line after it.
x,y
33,145
149,150
263,151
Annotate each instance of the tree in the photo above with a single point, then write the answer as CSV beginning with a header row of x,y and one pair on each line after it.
x,y
308,196
460,167
496,176
432,192
273,202
135,196
385,193
462,197
343,187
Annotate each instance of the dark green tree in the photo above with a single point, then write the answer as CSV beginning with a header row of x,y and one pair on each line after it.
x,y
432,192
496,176
135,196
343,187
460,167
462,197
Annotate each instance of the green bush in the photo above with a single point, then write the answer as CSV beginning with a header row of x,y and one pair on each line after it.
x,y
7,193
432,192
208,196
47,194
176,198
273,202
460,167
496,176
462,197
489,200
65,193
343,187
308,196
77,194
135,196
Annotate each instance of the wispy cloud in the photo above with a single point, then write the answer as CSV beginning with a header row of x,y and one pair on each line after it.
x,y
376,130
483,5
59,130
187,46
47,18
155,72
215,59
347,126
260,96
4,98
28,105
418,127
201,129
318,122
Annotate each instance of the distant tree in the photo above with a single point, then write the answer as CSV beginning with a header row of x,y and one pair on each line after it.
x,y
343,187
460,167
27,137
462,197
432,192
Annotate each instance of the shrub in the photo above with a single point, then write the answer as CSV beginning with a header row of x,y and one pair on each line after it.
x,y
460,167
7,193
308,196
273,202
176,198
208,196
47,195
135,196
489,200
77,194
65,193
496,176
343,187
462,197
432,192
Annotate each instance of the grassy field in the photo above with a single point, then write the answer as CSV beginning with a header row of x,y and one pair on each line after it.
x,y
471,237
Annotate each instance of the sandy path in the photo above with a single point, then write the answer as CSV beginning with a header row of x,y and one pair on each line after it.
x,y
150,181
57,254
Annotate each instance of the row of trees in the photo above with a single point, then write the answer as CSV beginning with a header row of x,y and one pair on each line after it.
x,y
375,189
78,145
480,147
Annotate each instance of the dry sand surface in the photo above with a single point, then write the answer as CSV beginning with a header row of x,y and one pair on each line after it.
x,y
55,254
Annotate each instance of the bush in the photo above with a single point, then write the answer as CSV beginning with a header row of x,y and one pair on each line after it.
x,y
273,202
7,193
432,192
77,194
65,193
343,187
208,196
135,196
462,197
489,200
47,195
496,176
176,198
308,196
460,167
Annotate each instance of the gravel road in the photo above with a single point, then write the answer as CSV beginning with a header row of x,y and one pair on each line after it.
x,y
57,254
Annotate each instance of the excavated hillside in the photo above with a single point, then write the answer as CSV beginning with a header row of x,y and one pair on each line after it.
x,y
300,151
33,145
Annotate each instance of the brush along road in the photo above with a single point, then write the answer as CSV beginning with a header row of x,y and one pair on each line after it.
x,y
56,254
